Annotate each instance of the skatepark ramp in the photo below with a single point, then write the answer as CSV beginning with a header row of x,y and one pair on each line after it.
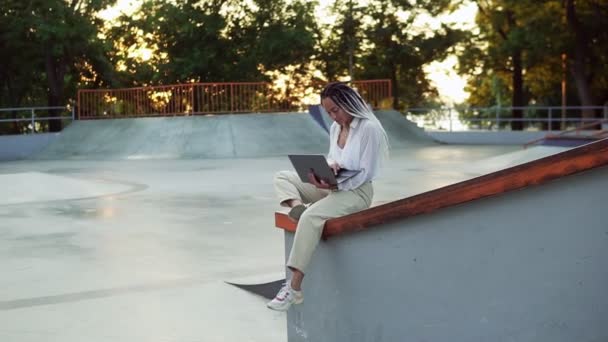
x,y
574,137
518,254
194,137
402,132
211,136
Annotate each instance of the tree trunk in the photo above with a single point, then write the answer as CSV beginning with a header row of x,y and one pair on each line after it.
x,y
518,91
54,74
14,98
395,88
517,80
577,66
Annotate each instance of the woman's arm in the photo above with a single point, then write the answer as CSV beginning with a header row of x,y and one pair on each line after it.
x,y
370,139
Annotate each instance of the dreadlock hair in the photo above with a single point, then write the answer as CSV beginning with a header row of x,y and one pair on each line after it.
x,y
351,102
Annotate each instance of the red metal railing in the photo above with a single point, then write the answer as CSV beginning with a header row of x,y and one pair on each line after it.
x,y
213,98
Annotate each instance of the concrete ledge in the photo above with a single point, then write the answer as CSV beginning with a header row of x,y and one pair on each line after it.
x,y
15,147
536,172
281,220
526,266
486,137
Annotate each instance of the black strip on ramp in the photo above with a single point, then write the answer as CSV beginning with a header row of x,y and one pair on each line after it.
x,y
266,290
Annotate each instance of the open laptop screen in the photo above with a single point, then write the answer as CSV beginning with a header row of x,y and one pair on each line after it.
x,y
304,163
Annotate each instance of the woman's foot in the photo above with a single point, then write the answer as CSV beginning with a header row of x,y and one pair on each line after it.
x,y
285,298
297,211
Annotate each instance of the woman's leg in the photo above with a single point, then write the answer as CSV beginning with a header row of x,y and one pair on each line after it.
x,y
311,224
291,191
308,233
296,279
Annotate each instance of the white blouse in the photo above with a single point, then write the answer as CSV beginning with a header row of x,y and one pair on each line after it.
x,y
361,151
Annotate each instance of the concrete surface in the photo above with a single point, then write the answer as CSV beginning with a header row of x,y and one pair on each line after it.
x,y
525,266
473,137
201,137
14,147
112,241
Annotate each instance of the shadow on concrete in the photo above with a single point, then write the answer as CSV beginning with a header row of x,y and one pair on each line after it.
x,y
266,290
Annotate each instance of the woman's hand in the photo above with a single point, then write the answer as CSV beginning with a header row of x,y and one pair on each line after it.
x,y
335,167
319,183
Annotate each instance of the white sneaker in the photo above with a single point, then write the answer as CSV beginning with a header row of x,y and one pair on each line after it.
x,y
285,298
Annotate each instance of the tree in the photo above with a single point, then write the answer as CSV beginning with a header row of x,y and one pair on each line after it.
x,y
521,43
338,44
213,40
504,28
17,60
396,51
50,44
587,45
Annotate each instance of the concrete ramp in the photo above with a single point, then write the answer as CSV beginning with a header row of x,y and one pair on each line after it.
x,y
503,161
199,137
516,255
221,136
144,138
402,132
529,266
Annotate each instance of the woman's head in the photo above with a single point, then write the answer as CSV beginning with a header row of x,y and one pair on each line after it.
x,y
343,103
338,96
336,112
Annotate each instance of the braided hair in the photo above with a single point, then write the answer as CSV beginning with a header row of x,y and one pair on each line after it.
x,y
351,102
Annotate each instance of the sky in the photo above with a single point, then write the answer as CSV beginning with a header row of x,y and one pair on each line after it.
x,y
442,74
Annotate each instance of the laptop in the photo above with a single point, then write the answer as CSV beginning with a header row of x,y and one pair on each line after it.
x,y
303,163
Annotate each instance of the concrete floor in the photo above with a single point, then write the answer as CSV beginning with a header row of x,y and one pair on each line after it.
x,y
140,250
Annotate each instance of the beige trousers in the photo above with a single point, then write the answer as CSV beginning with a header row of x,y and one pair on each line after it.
x,y
325,205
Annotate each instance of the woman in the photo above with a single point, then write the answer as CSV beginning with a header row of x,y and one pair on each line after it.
x,y
357,142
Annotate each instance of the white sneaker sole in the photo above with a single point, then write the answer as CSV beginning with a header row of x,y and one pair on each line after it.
x,y
284,308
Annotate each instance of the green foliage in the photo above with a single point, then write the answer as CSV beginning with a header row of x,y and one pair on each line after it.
x,y
46,46
15,52
339,43
211,41
283,33
214,41
539,33
50,48
383,43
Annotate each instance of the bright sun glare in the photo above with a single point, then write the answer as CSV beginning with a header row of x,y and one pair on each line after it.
x,y
441,73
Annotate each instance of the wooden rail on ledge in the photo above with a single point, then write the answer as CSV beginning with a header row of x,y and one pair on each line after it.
x,y
536,172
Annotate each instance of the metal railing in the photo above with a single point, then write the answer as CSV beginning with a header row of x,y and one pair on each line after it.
x,y
29,115
214,98
579,132
534,118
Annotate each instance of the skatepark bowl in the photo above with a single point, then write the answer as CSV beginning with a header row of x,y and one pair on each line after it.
x,y
135,229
